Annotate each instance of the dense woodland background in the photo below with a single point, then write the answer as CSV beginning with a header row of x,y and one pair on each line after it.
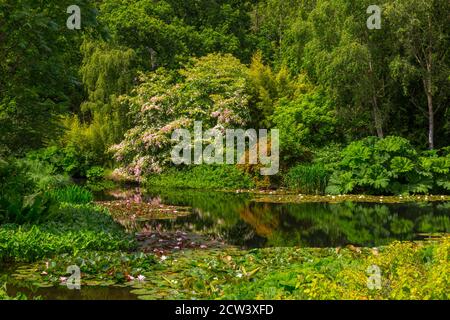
x,y
110,94
363,115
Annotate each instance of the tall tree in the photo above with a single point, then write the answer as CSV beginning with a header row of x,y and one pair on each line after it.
x,y
423,34
349,59
38,69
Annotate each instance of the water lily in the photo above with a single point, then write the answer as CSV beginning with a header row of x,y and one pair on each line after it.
x,y
141,277
163,258
44,273
63,279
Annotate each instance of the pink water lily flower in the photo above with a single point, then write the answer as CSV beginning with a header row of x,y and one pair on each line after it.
x,y
141,277
62,279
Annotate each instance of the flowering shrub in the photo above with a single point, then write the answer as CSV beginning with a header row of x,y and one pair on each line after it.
x,y
213,89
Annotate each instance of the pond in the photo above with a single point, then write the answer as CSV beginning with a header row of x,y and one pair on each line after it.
x,y
216,220
235,219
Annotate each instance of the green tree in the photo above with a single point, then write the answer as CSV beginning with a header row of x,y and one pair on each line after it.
x,y
213,89
38,69
306,121
349,59
422,33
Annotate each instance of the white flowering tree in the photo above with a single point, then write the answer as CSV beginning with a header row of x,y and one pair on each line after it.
x,y
212,89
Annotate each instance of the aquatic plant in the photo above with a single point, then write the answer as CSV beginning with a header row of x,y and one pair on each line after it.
x,y
308,179
71,194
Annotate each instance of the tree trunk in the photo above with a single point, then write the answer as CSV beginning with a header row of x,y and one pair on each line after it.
x,y
377,118
430,120
375,108
428,81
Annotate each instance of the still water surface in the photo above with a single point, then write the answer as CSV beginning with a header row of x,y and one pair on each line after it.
x,y
237,220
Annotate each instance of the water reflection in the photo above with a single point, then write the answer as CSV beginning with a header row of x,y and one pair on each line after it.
x,y
62,293
237,220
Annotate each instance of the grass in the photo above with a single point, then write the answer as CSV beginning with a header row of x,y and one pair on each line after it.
x,y
71,194
202,177
309,179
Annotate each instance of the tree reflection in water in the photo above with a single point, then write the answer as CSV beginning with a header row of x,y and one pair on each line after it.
x,y
237,220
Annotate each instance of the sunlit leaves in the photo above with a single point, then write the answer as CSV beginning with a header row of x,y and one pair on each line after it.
x,y
389,165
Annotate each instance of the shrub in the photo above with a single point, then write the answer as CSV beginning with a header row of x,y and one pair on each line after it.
x,y
203,177
42,175
328,156
64,160
309,179
20,199
390,166
410,271
95,174
304,122
214,89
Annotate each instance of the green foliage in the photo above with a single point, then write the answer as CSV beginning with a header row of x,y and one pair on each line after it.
x,y
389,165
39,61
305,122
202,177
72,194
214,90
73,229
95,174
107,72
309,179
30,209
98,268
4,295
328,155
97,179
167,33
422,55
409,271
343,275
87,142
268,87
63,160
21,197
42,175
